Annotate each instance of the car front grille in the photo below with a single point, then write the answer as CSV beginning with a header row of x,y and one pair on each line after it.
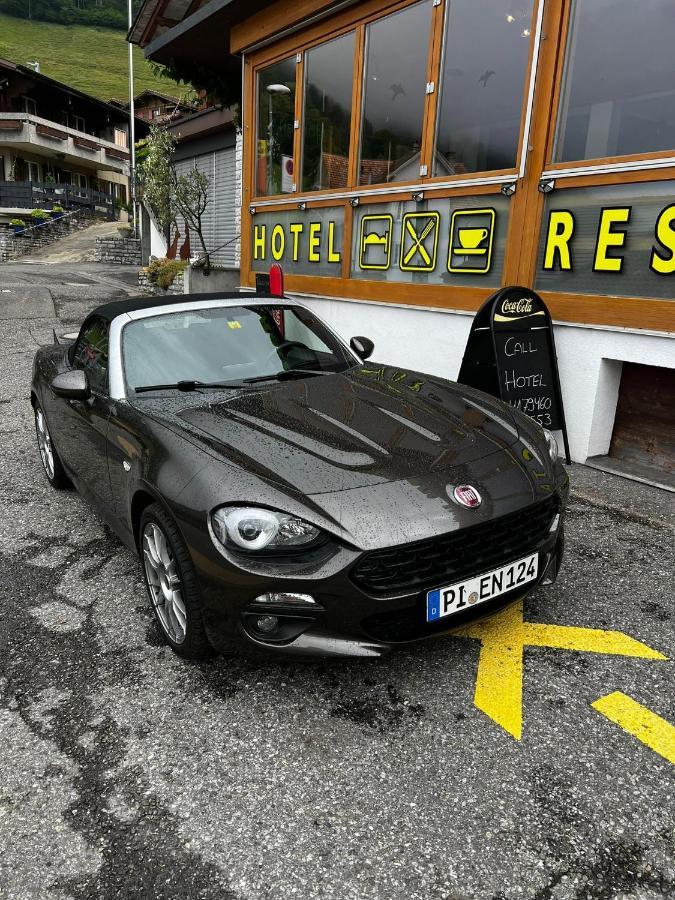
x,y
455,556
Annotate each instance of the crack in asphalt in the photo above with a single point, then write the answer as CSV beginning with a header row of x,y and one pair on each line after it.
x,y
143,857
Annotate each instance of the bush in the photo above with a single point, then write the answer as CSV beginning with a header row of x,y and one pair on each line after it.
x,y
57,208
163,271
19,223
39,214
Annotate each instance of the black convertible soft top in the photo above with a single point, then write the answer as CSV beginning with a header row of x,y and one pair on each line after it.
x,y
110,311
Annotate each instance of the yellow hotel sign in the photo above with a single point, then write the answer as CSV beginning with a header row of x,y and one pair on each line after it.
x,y
462,241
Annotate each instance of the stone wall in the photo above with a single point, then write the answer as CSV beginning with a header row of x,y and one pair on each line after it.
x,y
147,287
121,251
14,246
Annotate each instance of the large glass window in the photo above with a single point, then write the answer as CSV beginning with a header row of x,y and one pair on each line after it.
x,y
618,91
485,58
327,107
395,78
276,117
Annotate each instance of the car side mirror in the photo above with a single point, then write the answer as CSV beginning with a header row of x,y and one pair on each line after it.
x,y
72,385
362,346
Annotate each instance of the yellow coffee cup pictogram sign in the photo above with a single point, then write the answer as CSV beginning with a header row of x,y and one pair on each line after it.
x,y
471,240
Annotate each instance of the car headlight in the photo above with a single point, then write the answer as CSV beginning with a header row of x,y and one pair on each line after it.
x,y
254,529
552,445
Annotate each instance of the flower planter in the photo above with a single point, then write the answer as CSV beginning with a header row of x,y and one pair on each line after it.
x,y
39,222
18,229
56,215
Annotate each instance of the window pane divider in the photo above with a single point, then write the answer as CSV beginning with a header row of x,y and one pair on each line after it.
x,y
631,165
357,100
297,132
431,99
534,63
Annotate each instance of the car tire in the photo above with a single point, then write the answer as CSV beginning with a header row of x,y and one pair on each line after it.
x,y
51,463
171,582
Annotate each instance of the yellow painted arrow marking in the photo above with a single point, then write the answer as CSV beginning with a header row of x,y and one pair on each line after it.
x,y
639,721
504,636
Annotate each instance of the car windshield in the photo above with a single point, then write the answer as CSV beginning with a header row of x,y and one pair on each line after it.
x,y
229,344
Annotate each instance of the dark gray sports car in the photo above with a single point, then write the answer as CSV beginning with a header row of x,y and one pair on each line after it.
x,y
285,494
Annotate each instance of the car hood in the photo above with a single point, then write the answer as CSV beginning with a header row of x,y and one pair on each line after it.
x,y
368,426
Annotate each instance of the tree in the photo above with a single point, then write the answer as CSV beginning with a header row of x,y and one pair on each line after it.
x,y
191,197
169,194
156,175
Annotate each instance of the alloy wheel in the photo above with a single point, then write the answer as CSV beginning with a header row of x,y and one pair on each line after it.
x,y
44,443
164,583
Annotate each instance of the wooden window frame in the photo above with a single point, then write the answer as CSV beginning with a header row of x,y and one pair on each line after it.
x,y
522,240
357,20
254,138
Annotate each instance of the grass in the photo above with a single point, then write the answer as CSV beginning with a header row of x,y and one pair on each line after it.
x,y
91,59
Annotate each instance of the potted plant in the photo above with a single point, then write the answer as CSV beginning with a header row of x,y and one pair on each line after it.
x,y
39,216
57,211
18,225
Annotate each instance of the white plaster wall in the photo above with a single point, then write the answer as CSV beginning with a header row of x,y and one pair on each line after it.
x,y
589,359
158,245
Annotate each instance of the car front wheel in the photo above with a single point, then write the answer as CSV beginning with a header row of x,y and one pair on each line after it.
x,y
171,582
50,459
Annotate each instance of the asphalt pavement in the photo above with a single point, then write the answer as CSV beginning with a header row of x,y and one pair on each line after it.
x,y
529,759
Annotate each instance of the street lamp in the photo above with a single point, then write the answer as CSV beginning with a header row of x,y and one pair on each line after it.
x,y
271,90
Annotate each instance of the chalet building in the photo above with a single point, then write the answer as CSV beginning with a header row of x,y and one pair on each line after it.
x,y
403,159
58,145
157,109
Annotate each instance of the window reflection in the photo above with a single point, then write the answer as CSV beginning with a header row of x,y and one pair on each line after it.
x,y
327,114
276,115
619,86
487,45
393,96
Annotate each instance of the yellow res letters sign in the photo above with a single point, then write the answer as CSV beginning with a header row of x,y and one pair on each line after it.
x,y
617,239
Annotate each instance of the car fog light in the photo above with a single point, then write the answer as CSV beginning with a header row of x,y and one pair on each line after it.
x,y
267,624
286,599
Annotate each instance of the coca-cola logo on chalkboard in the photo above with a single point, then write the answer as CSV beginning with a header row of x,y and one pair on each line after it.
x,y
524,305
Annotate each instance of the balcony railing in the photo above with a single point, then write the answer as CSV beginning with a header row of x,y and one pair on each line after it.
x,y
26,129
45,195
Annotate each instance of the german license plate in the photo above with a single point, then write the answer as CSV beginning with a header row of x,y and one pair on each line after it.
x,y
466,594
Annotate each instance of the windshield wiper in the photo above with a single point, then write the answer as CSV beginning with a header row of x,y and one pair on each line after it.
x,y
186,386
281,376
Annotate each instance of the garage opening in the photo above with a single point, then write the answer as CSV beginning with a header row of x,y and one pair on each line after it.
x,y
643,439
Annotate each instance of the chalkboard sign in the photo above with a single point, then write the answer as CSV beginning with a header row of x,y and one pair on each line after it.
x,y
510,354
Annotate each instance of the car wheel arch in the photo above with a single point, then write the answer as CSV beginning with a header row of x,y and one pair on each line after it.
x,y
143,497
140,501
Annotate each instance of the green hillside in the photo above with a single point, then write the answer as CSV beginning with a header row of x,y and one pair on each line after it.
x,y
91,59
